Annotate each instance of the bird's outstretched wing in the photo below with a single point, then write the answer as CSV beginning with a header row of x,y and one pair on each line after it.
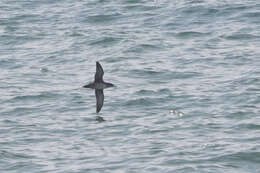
x,y
99,73
99,99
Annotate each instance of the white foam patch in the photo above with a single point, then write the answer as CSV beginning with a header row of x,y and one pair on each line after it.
x,y
175,112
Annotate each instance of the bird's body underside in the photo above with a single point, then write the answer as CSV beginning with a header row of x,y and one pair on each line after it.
x,y
99,85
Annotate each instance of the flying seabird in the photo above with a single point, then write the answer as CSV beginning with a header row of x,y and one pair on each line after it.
x,y
99,85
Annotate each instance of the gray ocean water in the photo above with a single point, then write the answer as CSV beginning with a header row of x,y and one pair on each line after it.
x,y
187,95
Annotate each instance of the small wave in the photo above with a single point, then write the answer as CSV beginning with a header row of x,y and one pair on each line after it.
x,y
145,92
252,15
102,18
240,36
10,64
190,34
148,46
34,97
163,75
148,101
253,157
151,92
145,72
248,126
105,41
132,1
139,102
144,47
165,91
10,155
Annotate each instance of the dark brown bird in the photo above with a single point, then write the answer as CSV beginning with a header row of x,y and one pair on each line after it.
x,y
99,85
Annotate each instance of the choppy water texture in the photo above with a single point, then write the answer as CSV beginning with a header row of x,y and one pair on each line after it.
x,y
188,86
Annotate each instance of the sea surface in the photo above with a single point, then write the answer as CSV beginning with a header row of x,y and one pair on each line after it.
x,y
187,95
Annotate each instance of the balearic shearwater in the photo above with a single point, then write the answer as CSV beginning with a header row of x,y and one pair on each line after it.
x,y
99,85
